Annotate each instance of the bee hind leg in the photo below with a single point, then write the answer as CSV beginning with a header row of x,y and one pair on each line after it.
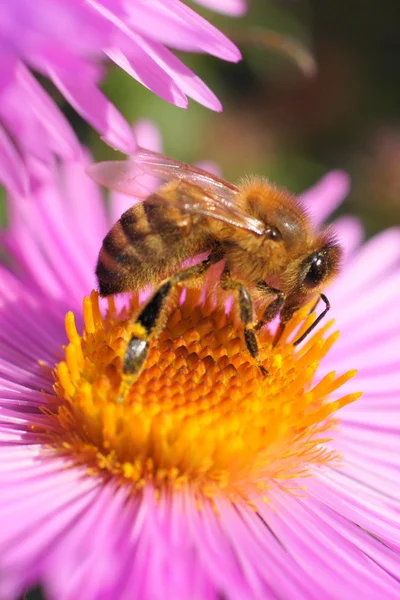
x,y
246,316
147,322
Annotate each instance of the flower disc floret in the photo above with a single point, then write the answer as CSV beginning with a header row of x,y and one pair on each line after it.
x,y
201,413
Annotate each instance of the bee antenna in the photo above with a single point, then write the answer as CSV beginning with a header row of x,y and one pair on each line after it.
x,y
317,320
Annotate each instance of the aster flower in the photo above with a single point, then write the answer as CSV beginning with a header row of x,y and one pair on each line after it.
x,y
65,41
209,481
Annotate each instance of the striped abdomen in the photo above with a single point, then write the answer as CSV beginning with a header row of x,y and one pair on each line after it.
x,y
146,245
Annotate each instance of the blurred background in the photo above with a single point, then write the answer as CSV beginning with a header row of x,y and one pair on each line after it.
x,y
278,120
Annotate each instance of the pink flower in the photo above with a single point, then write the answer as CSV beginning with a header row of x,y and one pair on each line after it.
x,y
333,534
66,40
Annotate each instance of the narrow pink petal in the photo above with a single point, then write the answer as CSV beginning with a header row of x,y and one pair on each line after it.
x,y
377,256
365,332
31,258
148,136
61,137
374,471
42,221
172,567
19,120
367,446
234,8
323,198
93,106
367,359
173,23
381,299
350,234
210,166
23,104
84,203
219,555
368,508
262,560
148,72
45,499
12,169
188,81
27,330
380,554
137,62
90,554
321,551
51,515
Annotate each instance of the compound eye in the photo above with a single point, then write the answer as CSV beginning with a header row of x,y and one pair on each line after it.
x,y
317,271
273,234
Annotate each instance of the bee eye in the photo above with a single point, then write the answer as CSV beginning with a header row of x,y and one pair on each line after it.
x,y
273,234
317,271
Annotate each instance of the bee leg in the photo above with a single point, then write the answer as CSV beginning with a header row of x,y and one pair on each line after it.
x,y
274,308
147,322
246,315
287,313
137,349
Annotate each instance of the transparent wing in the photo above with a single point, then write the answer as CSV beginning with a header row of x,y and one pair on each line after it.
x,y
199,192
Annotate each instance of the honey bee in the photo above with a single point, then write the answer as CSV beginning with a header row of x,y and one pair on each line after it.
x,y
262,234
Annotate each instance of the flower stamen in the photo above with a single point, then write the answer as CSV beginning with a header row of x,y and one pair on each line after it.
x,y
200,413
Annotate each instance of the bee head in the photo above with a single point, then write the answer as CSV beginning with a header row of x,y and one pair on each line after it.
x,y
320,267
314,273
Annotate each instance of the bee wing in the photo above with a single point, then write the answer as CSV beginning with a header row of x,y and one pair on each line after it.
x,y
200,193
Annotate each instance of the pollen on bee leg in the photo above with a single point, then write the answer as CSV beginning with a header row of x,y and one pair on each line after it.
x,y
200,413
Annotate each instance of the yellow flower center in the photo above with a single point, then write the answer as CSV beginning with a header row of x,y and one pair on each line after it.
x,y
201,413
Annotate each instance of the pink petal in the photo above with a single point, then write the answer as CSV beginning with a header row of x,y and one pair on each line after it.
x,y
147,71
52,511
210,166
323,198
93,106
45,217
379,255
359,504
176,25
23,105
137,62
188,81
147,136
31,258
359,319
234,8
350,234
61,136
84,204
90,554
12,169
322,548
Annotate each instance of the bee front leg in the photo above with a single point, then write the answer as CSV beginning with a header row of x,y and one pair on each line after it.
x,y
147,322
246,315
273,309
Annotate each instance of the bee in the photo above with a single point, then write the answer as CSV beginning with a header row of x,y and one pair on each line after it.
x,y
269,248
